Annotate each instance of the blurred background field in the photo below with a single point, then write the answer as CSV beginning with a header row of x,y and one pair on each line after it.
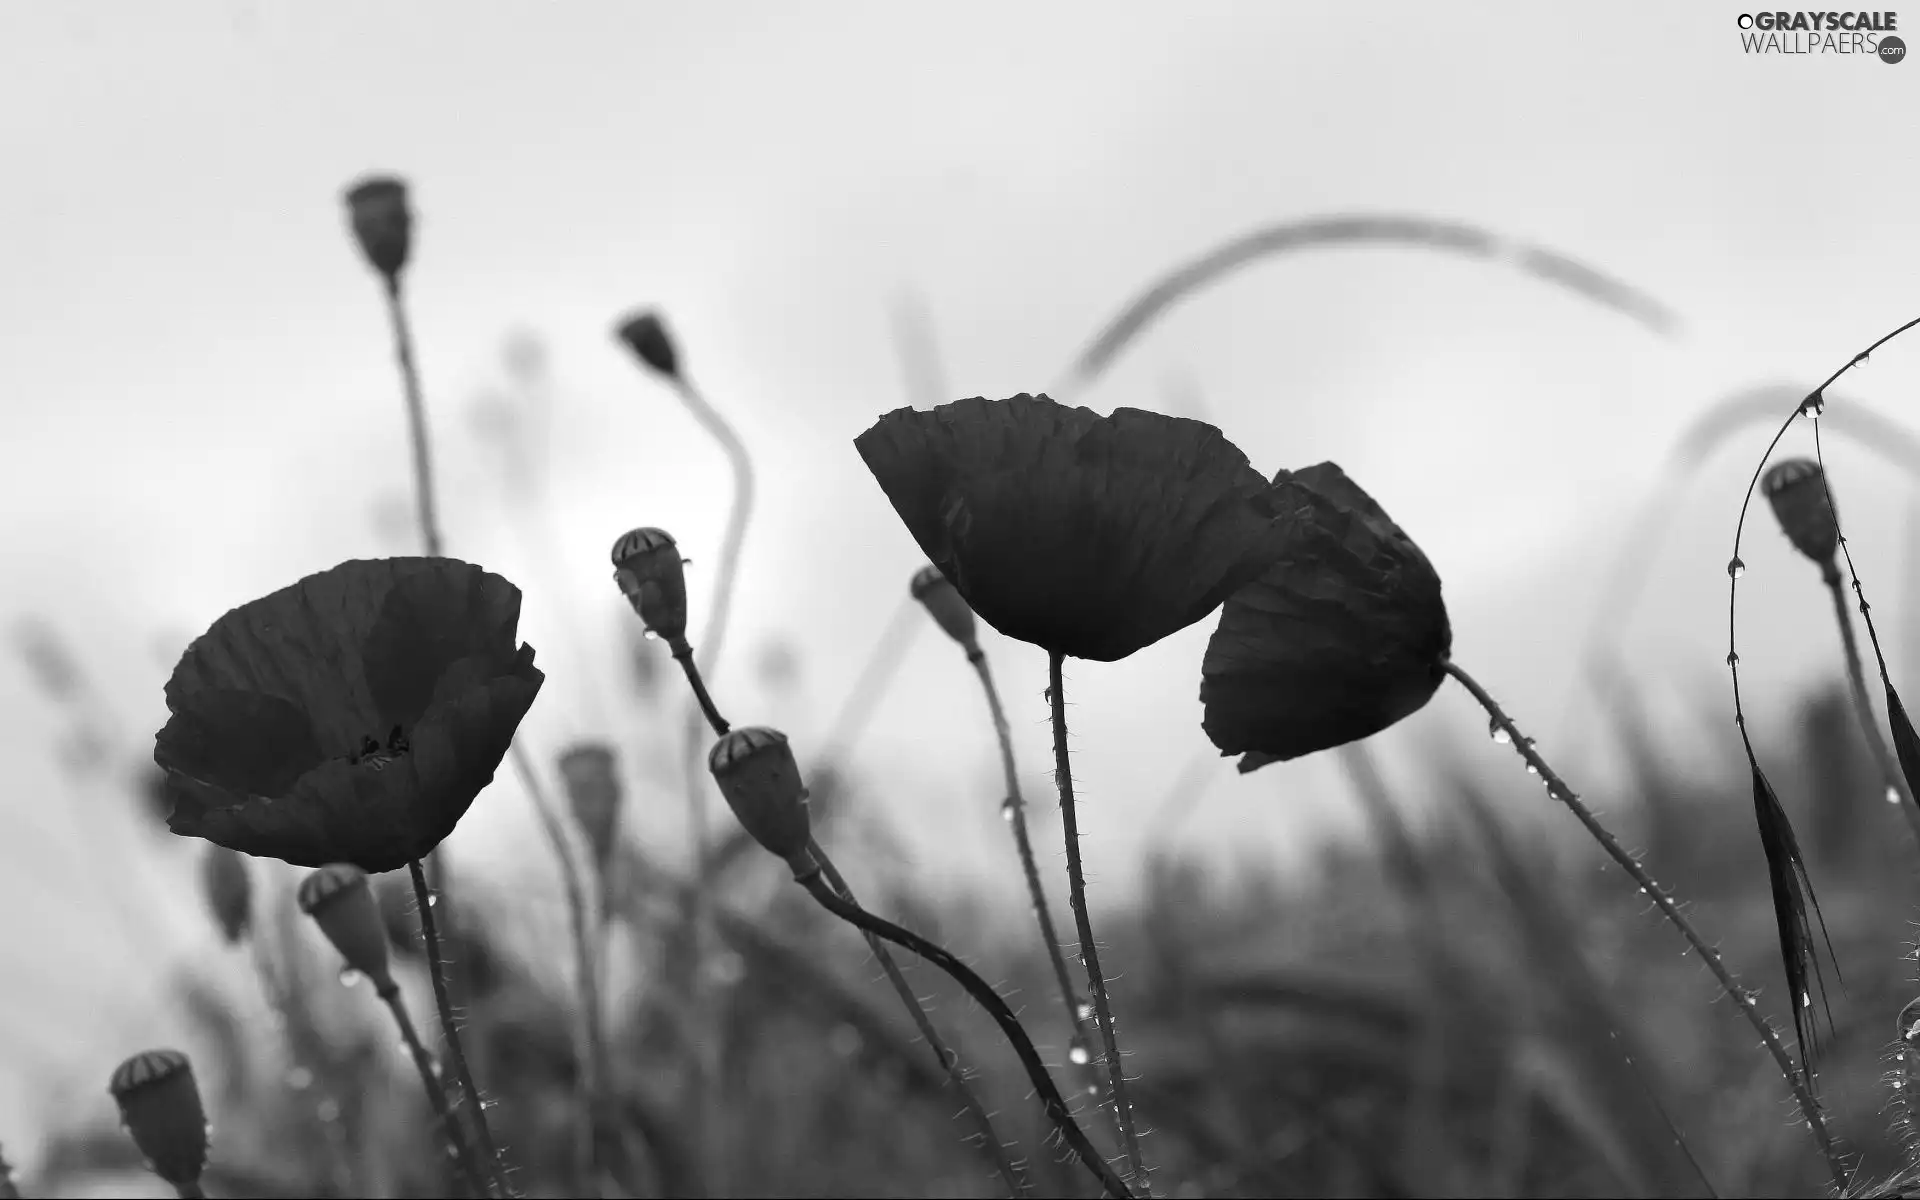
x,y
199,408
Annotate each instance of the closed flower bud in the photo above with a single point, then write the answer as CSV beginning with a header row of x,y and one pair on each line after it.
x,y
228,891
646,335
160,1108
757,774
652,575
943,601
382,223
593,792
1797,489
340,901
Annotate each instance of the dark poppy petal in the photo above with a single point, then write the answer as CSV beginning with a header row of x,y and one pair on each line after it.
x,y
241,740
1091,536
1343,636
428,621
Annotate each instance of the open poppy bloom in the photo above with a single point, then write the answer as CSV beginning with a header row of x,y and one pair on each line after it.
x,y
1089,536
1341,637
352,717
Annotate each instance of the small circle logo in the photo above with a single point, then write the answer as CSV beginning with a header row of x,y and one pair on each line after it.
x,y
1892,49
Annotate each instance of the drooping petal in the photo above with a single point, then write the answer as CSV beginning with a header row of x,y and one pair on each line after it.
x,y
1091,536
1340,638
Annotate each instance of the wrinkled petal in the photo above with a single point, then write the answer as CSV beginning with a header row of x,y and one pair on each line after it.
x,y
1091,536
1340,638
428,621
241,740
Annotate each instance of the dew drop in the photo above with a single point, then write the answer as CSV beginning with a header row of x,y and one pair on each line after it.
x,y
349,977
1893,794
1499,734
1736,568
1077,1053
649,635
1093,1089
489,1105
327,1110
1806,1001
1532,770
1084,1011
433,899
1861,361
1813,406
299,1079
1008,809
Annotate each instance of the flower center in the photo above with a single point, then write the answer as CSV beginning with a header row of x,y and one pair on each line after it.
x,y
372,754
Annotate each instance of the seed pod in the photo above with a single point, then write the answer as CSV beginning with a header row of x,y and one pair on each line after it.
x,y
1797,489
646,335
593,792
340,901
756,771
382,223
160,1108
948,609
228,891
651,573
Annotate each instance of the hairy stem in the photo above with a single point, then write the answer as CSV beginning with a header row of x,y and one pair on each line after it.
x,y
448,1028
1743,999
1016,813
1890,775
457,1147
943,1053
1050,1098
586,975
1083,922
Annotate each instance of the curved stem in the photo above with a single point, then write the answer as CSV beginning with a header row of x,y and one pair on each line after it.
x,y
1089,952
1050,1098
1743,999
738,514
683,654
1016,813
457,1146
416,419
436,972
586,976
949,1060
1890,775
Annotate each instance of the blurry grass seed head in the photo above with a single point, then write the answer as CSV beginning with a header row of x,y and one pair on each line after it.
x,y
645,333
1797,490
758,775
653,577
1341,637
350,718
161,1110
1088,536
340,900
592,781
943,603
228,890
382,222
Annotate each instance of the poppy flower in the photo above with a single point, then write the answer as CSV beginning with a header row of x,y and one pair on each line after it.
x,y
1341,637
1089,536
352,717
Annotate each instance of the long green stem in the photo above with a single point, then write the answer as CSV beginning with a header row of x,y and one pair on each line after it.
x,y
948,1059
1015,808
1056,1106
457,1147
1891,776
449,1029
1743,999
1089,951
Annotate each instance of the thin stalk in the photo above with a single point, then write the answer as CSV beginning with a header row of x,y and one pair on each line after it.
x,y
586,976
1015,809
1056,1106
1890,774
1089,952
949,1061
1743,999
189,1191
436,972
738,514
457,1144
697,926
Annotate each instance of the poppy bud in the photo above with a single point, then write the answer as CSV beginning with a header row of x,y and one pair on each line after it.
x,y
757,774
1797,489
646,335
339,900
228,891
943,601
649,570
382,222
593,791
160,1107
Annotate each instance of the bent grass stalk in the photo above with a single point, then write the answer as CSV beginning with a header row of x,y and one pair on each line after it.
x,y
1080,1051
1743,998
457,1145
1890,776
1056,1106
1089,951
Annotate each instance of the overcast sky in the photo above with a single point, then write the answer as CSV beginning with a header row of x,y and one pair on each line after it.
x,y
200,406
